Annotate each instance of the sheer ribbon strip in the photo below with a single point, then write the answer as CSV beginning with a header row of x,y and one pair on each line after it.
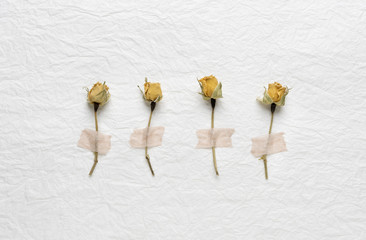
x,y
268,144
214,137
154,137
95,141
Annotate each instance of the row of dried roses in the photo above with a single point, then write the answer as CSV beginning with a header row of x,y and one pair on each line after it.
x,y
211,90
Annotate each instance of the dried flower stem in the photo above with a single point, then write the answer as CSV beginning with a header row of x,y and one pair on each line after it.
x,y
147,133
264,157
96,106
213,103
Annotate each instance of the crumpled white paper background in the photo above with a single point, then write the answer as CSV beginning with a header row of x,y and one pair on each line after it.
x,y
50,50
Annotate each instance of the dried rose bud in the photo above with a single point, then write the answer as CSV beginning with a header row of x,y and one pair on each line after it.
x,y
210,88
99,94
276,93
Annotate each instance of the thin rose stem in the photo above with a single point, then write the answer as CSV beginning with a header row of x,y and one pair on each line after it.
x,y
212,127
96,105
264,157
147,133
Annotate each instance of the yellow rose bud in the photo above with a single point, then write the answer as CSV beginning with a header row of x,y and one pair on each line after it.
x,y
208,85
276,91
152,92
99,94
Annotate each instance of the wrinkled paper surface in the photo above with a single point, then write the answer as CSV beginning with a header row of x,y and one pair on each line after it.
x,y
50,50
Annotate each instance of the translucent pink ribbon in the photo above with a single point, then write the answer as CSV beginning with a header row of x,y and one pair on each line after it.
x,y
154,137
95,141
214,137
268,144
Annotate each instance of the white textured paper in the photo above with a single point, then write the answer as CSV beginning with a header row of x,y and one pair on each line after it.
x,y
50,50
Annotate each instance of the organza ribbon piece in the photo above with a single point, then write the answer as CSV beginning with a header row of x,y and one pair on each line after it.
x,y
154,137
268,144
214,137
95,141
